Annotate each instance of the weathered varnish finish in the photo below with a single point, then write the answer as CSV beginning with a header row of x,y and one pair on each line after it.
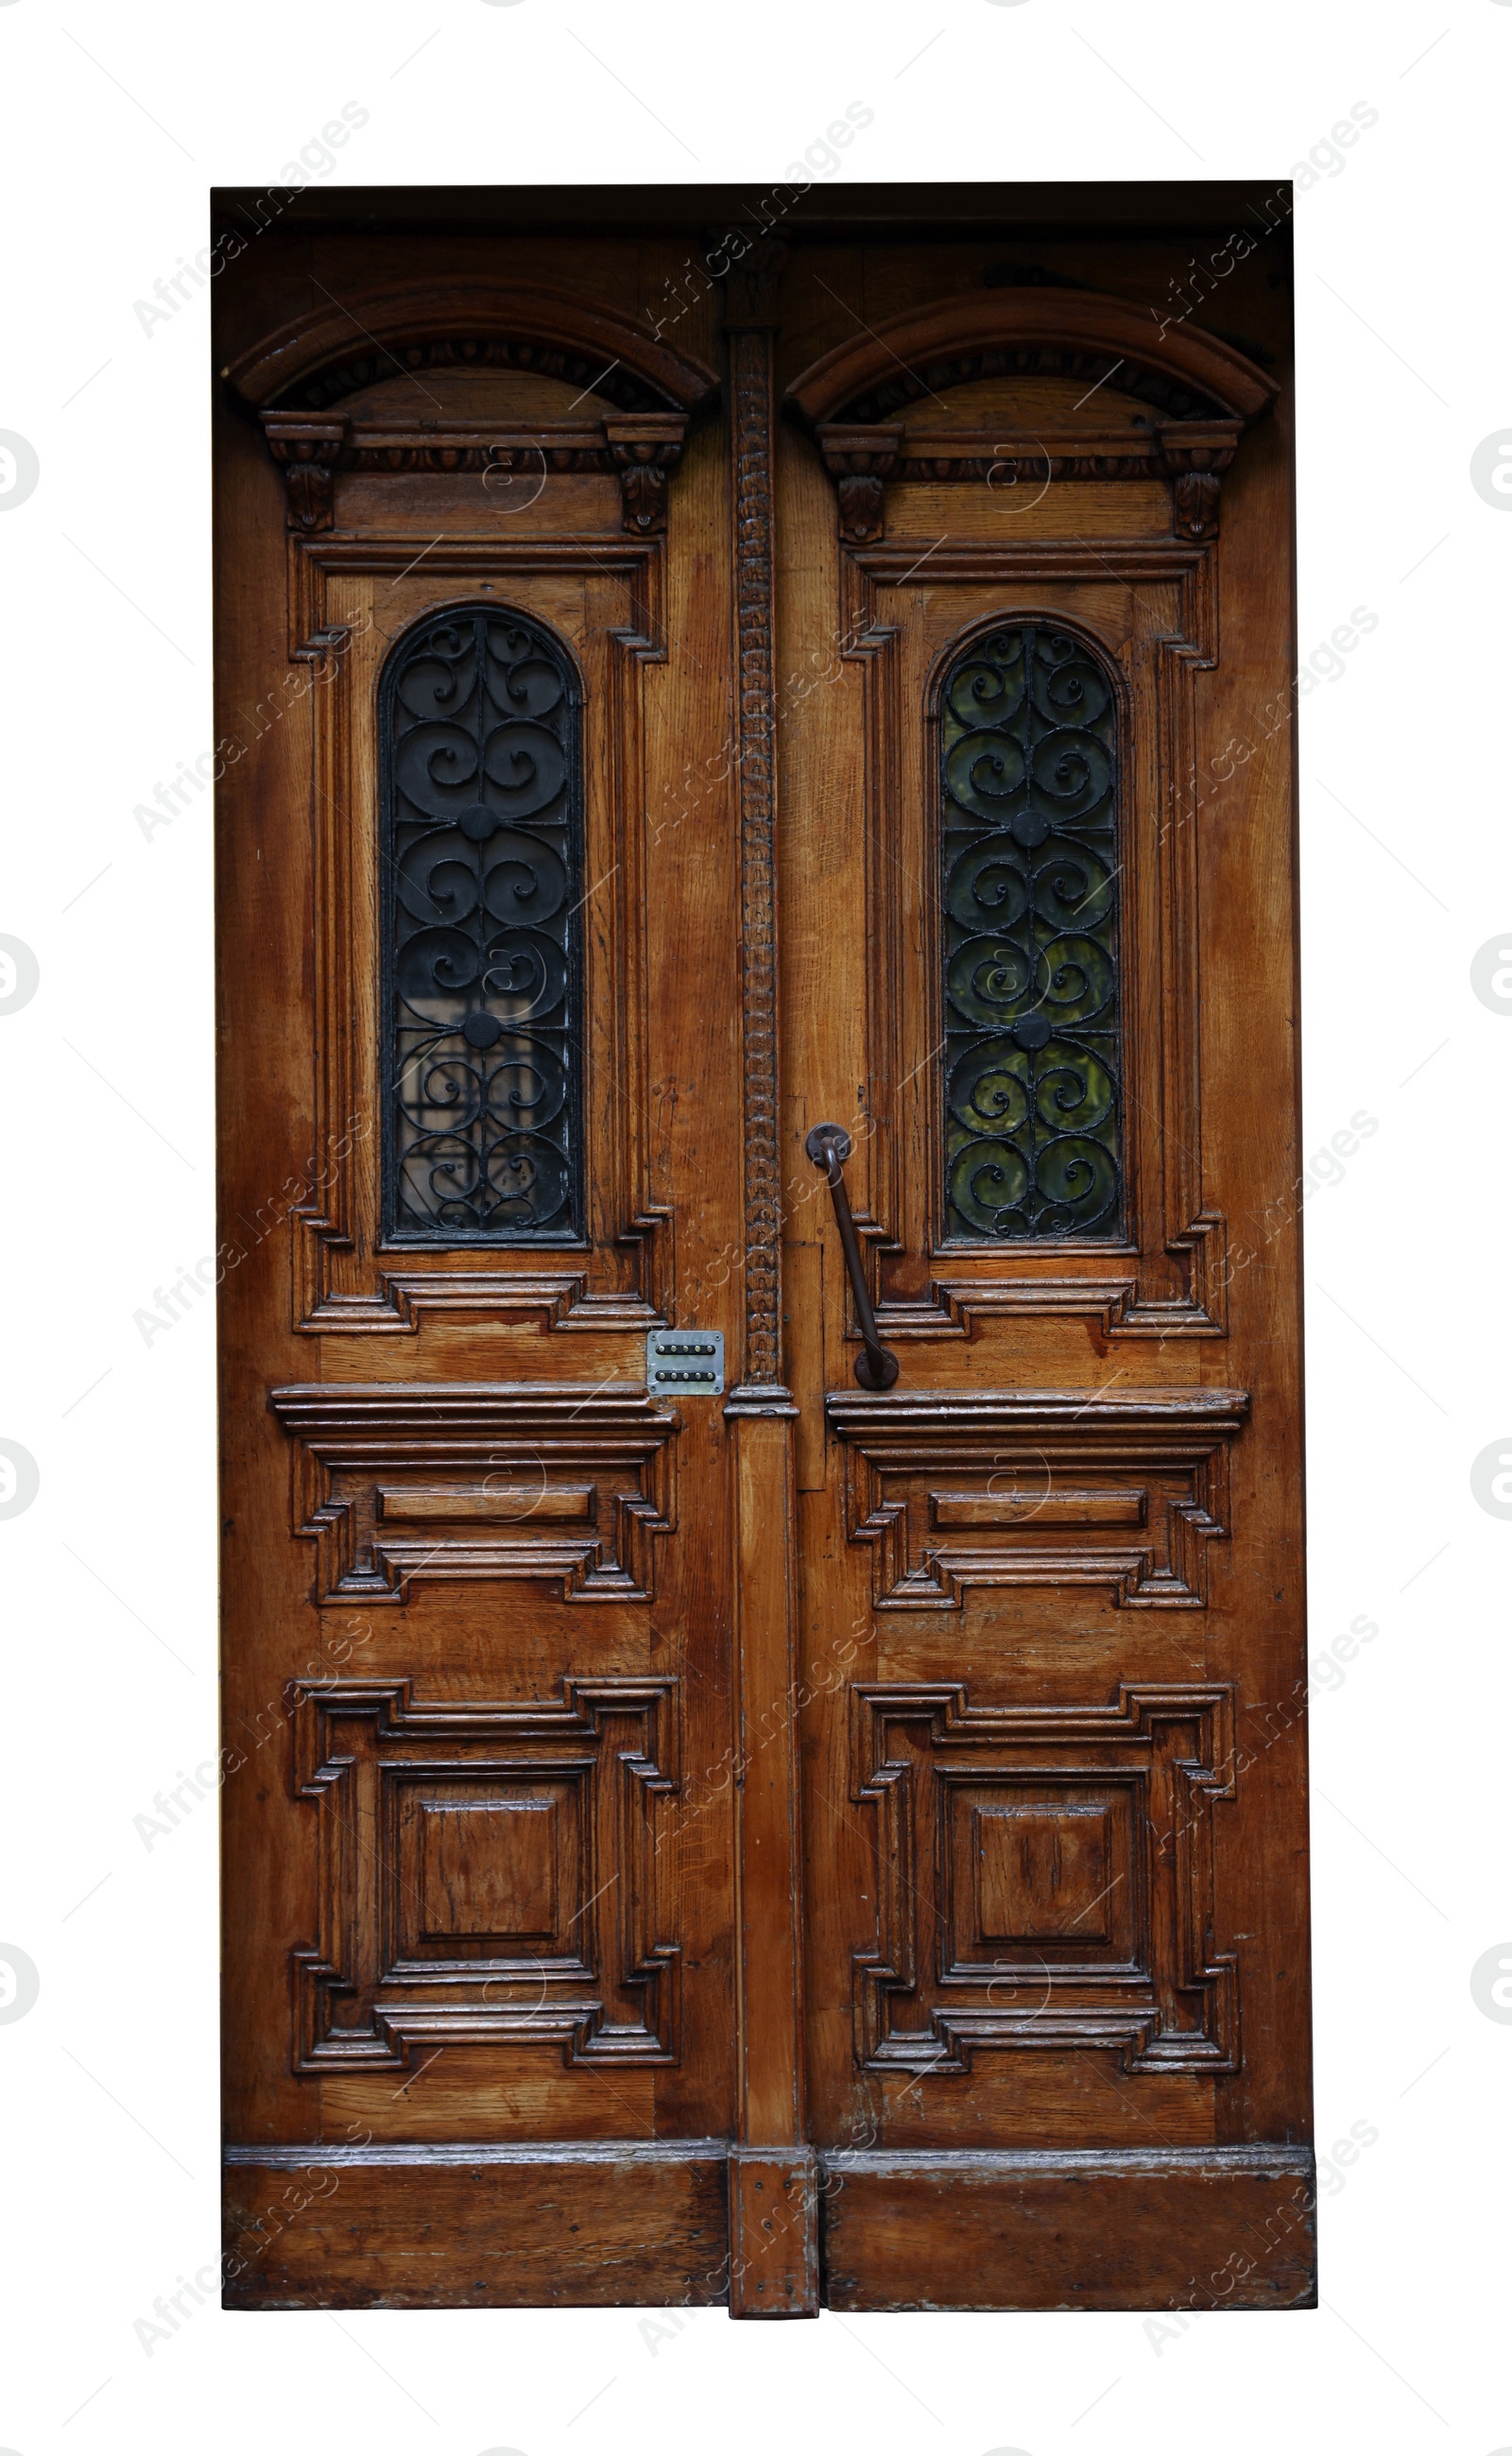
x,y
808,1846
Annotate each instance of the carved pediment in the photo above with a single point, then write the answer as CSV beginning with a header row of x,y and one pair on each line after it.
x,y
1197,393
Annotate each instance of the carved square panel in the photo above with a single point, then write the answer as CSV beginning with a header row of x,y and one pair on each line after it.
x,y
397,1481
485,1861
1037,1488
1041,1871
1044,1876
487,1871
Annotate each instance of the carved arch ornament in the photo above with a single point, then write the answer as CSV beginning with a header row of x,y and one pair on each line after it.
x,y
297,378
867,402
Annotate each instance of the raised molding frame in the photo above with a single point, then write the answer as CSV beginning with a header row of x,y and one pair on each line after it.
x,y
1165,1752
1166,1449
540,1481
612,1745
343,1279
1114,1286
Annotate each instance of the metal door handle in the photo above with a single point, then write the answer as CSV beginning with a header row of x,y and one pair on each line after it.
x,y
829,1147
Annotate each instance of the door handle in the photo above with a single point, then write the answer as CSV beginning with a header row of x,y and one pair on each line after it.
x,y
829,1147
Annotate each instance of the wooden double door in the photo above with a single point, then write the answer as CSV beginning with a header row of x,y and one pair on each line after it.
x,y
763,1667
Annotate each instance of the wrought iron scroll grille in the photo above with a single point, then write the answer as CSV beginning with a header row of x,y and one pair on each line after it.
x,y
482,814
1029,864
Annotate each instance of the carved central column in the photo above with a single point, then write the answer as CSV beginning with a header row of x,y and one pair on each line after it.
x,y
750,315
773,2175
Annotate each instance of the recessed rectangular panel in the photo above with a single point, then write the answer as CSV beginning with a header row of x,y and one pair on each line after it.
x,y
1041,1871
492,1503
1028,1503
488,1867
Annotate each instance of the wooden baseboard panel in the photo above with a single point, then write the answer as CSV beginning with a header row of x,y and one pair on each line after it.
x,y
459,2225
463,2226
1088,2230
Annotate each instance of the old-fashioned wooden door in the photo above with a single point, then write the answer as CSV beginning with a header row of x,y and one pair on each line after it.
x,y
761,1348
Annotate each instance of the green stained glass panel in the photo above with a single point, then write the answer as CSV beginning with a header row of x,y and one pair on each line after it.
x,y
1029,893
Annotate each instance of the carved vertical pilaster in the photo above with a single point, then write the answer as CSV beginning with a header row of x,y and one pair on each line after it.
x,y
750,315
773,2195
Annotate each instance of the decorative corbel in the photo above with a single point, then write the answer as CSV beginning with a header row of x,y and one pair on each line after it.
x,y
859,458
307,450
1193,451
644,452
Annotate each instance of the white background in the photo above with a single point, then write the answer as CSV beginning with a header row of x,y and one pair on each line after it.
x,y
116,121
